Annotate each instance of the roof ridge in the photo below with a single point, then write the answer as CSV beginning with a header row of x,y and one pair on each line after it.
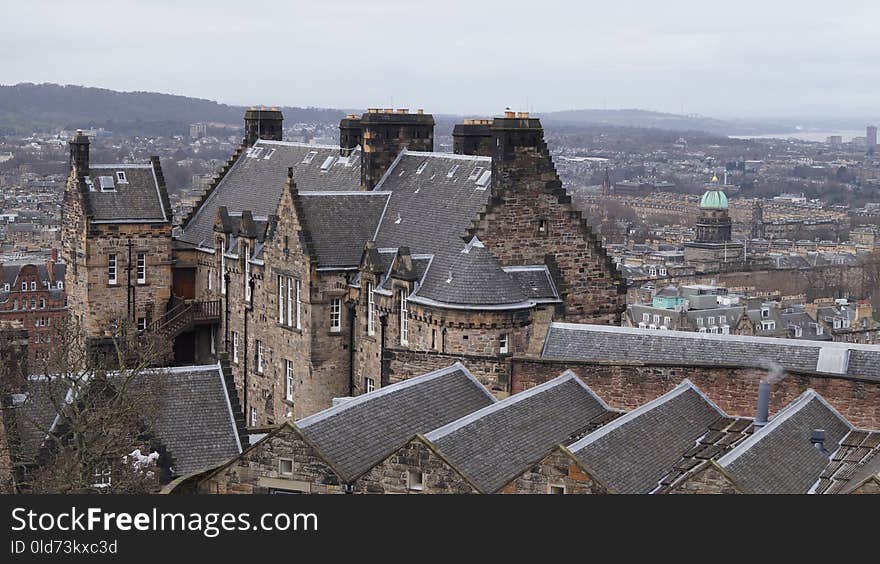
x,y
684,386
794,407
386,390
453,426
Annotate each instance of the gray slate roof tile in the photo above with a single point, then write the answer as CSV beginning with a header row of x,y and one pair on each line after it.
x,y
495,444
779,458
357,434
633,453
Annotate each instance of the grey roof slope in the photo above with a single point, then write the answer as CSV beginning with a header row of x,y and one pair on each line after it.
x,y
857,459
493,445
634,452
140,198
534,281
359,433
255,182
584,342
196,438
435,196
340,223
779,458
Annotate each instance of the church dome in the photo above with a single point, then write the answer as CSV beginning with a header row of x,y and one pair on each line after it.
x,y
713,200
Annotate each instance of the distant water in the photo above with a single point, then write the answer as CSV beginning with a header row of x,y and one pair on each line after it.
x,y
817,136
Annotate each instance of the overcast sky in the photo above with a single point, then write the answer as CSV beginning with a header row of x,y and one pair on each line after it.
x,y
742,58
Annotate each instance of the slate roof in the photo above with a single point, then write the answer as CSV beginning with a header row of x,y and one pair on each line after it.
x,y
9,274
140,198
721,437
340,223
637,450
435,196
495,444
255,182
857,459
535,282
357,434
593,343
196,438
779,458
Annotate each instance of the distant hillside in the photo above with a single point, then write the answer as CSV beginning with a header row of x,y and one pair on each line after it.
x,y
639,118
47,107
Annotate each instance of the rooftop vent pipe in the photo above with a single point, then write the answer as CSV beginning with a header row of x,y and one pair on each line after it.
x,y
763,404
818,440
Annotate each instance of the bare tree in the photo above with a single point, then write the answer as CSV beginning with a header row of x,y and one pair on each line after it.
x,y
85,420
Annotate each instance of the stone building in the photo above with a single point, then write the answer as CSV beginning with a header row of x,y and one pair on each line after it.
x,y
340,257
116,221
34,295
712,249
331,450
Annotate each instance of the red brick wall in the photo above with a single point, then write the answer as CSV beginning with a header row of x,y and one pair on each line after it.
x,y
734,389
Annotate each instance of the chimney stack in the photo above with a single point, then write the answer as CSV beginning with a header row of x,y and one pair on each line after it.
x,y
763,404
263,123
79,153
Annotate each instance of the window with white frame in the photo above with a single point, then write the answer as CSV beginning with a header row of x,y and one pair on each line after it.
x,y
288,289
558,490
335,315
711,320
213,343
415,480
24,285
369,384
234,347
298,303
42,303
502,343
646,317
102,477
222,266
285,466
656,319
142,323
282,297
768,325
111,269
722,319
120,177
259,356
33,286
253,417
667,321
142,268
210,279
288,380
404,319
60,285
371,311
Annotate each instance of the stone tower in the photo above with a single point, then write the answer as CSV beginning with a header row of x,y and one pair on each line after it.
x,y
385,134
263,123
757,220
713,249
714,225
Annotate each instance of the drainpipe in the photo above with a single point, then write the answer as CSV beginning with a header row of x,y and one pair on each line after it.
x,y
383,323
352,324
247,308
226,279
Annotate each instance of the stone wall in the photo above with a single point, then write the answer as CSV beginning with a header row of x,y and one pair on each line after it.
x,y
733,389
530,220
259,471
557,469
708,479
417,460
492,371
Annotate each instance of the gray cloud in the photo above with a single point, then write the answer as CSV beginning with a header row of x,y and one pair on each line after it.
x,y
744,59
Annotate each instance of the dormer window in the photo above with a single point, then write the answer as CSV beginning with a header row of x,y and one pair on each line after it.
x,y
120,177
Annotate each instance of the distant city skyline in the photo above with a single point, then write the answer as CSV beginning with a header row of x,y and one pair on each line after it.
x,y
754,60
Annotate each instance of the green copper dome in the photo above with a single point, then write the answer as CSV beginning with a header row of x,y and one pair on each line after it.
x,y
714,200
